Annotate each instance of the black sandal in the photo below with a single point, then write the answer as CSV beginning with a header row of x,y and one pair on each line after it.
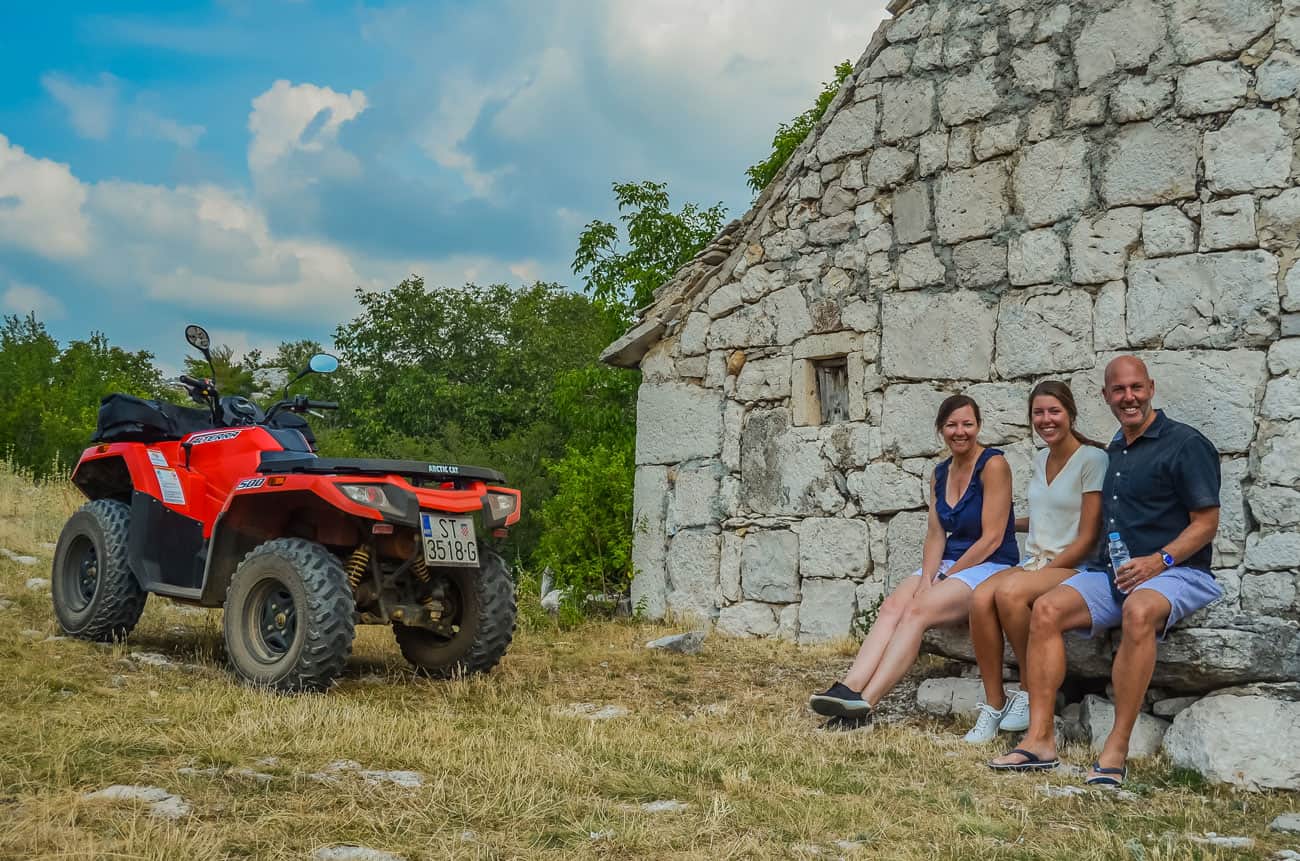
x,y
1104,778
1032,762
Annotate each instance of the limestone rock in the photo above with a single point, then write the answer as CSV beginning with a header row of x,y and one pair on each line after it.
x,y
851,131
1138,99
1274,506
905,537
912,214
352,852
677,422
1249,740
1053,181
971,204
1149,164
1122,38
1271,593
783,472
908,427
952,697
1279,77
1166,232
1251,151
1229,223
1036,257
1279,455
1098,716
764,380
693,557
695,498
1211,88
1277,551
907,109
1100,246
1202,29
1282,399
1205,300
1109,329
1036,67
889,166
748,326
981,263
960,320
826,611
832,231
1171,707
1279,220
971,96
997,139
747,619
1286,822
1043,332
920,267
833,548
883,488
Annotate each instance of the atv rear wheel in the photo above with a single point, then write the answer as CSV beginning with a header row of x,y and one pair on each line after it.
x,y
96,597
289,616
480,624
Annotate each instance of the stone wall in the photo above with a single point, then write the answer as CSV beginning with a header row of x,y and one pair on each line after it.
x,y
1003,192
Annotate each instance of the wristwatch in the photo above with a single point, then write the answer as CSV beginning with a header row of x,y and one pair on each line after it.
x,y
1166,558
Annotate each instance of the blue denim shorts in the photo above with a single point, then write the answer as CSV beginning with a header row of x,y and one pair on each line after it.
x,y
1186,589
972,576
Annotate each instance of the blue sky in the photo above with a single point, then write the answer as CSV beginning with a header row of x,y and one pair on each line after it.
x,y
249,163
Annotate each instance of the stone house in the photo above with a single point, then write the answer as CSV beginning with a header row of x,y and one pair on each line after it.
x,y
1004,191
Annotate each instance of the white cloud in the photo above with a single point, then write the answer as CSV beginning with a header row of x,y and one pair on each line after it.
x,y
147,124
282,115
90,107
460,100
40,205
25,299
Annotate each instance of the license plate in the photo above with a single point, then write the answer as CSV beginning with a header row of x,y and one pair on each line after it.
x,y
449,540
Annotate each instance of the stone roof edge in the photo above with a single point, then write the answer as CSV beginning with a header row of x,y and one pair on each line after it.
x,y
703,274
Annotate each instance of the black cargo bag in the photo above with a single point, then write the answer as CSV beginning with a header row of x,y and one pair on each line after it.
x,y
126,418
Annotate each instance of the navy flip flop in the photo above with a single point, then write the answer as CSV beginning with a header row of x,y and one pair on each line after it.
x,y
1032,762
1104,778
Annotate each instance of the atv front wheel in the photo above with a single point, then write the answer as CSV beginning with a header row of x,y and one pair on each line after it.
x,y
478,625
96,597
288,619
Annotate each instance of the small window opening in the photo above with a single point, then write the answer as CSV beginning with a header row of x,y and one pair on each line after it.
x,y
833,388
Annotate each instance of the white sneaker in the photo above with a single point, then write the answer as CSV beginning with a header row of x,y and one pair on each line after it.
x,y
1016,716
986,727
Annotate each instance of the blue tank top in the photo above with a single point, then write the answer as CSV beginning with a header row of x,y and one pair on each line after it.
x,y
962,522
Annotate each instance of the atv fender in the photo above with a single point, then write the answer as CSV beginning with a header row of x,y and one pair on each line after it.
x,y
104,476
250,519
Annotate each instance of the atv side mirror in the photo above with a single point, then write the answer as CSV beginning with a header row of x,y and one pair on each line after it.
x,y
323,363
198,337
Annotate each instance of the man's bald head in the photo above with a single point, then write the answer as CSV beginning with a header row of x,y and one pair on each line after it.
x,y
1126,366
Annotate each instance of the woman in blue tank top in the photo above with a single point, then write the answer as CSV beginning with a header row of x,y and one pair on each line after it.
x,y
971,536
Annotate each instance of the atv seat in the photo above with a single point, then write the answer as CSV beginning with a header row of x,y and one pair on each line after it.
x,y
419,471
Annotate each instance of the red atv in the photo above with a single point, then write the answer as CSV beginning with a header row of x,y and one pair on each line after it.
x,y
229,506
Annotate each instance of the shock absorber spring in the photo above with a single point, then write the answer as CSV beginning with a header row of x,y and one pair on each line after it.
x,y
420,568
356,566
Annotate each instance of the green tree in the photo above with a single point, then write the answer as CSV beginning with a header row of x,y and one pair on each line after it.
x,y
624,274
789,135
232,376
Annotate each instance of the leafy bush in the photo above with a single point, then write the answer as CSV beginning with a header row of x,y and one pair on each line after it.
x,y
790,135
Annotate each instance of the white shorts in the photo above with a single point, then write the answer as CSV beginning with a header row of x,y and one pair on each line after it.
x,y
972,576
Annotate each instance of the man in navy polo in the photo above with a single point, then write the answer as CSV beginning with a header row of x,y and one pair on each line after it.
x,y
1161,494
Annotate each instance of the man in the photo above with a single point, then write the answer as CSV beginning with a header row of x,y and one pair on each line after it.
x,y
1161,494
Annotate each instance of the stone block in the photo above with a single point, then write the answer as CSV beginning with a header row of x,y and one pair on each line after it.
x,y
1273,551
747,326
1086,110
1236,377
883,488
789,309
958,50
1211,88
963,98
1206,300
1109,329
952,697
1137,99
1170,707
1279,77
650,496
932,153
1269,593
1273,506
759,281
1251,151
1202,29
833,548
1279,455
851,131
1036,257
981,263
1279,220
1100,246
1036,67
1229,223
1282,399
696,328
722,301
1052,181
826,611
1040,123
1124,37
764,380
1230,540
677,422
1148,164
971,204
729,567
937,336
907,109
889,166
769,566
832,231
908,426
912,214
928,54
1166,232
1041,332
747,619
693,557
961,143
782,471
909,25
1250,740
920,267
890,63
695,497
905,535
1098,717
997,139
1004,407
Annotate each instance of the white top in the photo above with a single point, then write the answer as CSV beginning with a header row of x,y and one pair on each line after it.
x,y
1054,508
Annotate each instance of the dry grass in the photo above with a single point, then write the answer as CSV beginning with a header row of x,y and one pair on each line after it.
x,y
506,774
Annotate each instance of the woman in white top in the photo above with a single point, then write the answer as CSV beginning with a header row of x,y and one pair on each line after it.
x,y
1064,523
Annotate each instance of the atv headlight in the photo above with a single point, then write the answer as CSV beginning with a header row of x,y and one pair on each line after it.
x,y
501,506
371,495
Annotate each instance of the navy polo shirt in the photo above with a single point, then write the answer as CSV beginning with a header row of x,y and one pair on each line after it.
x,y
1153,483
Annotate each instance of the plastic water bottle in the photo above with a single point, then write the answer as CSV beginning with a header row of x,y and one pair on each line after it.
x,y
1119,556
